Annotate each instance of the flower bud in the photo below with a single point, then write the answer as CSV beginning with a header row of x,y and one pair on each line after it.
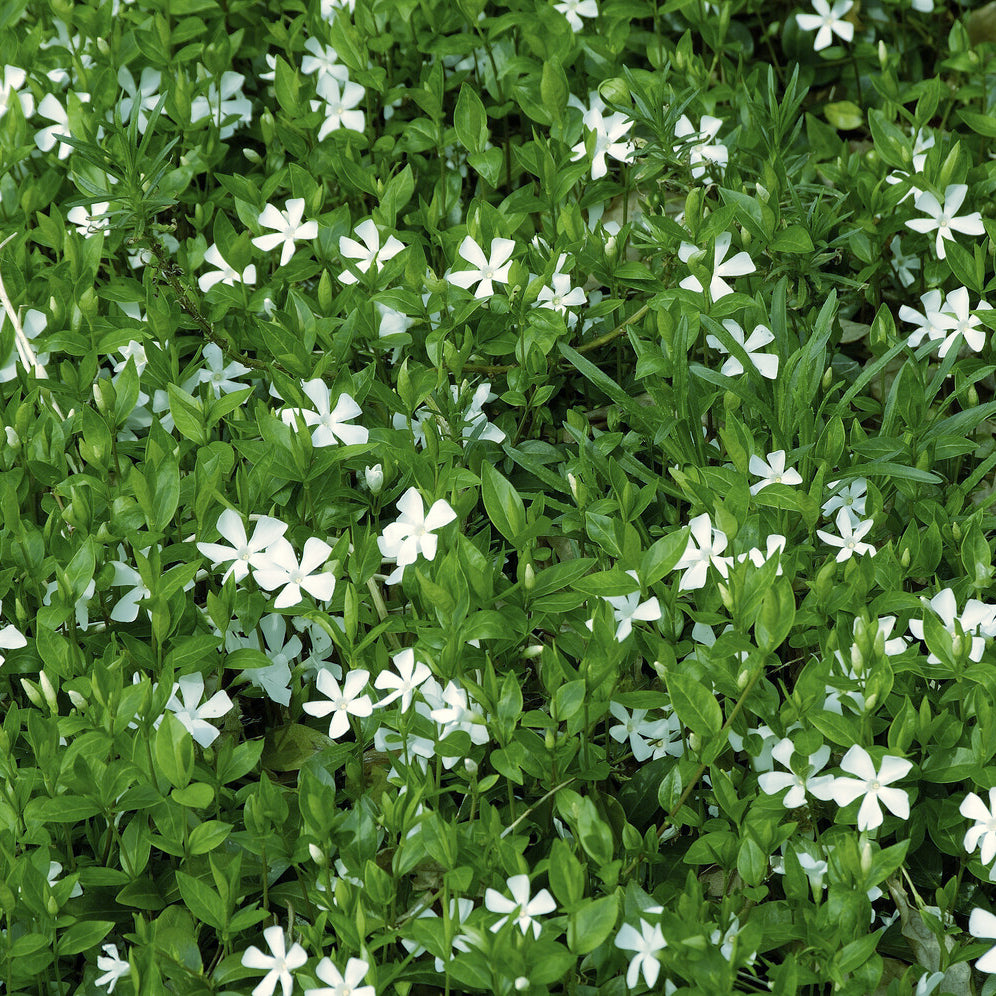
x,y
694,741
883,54
317,854
615,90
549,741
470,766
374,476
48,691
827,379
529,578
521,984
533,651
13,439
905,558
742,679
866,855
252,155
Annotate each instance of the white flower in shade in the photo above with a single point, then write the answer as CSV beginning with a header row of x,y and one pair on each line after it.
x,y
574,10
772,471
11,638
923,142
412,534
126,609
392,321
223,103
11,80
342,702
460,910
194,716
225,272
280,568
288,227
942,217
51,109
278,965
944,605
766,364
559,295
726,939
273,679
982,924
773,782
642,733
929,325
348,983
627,608
142,97
330,8
850,537
646,943
739,266
369,253
705,544
113,965
340,104
705,151
488,272
324,60
851,497
610,140
219,375
90,222
411,674
904,264
475,421
520,908
873,785
827,22
454,712
243,553
54,871
33,323
956,320
774,545
331,425
983,834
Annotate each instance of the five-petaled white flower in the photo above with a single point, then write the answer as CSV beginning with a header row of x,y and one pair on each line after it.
x,y
488,272
705,544
646,736
929,325
331,424
324,60
141,98
945,606
279,566
772,782
520,907
217,373
956,320
851,534
89,223
113,965
772,471
11,638
342,984
191,714
411,674
766,364
851,497
574,10
827,22
610,140
983,834
412,533
223,103
339,105
873,785
942,217
739,266
369,253
705,150
243,553
225,272
626,608
982,924
278,965
646,943
903,263
343,702
288,227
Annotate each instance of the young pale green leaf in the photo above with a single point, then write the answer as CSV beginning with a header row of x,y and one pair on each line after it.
x,y
470,120
695,705
174,751
502,503
589,926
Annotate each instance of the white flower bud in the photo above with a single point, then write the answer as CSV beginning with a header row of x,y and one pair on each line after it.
x,y
521,984
374,476
470,766
13,439
317,854
534,650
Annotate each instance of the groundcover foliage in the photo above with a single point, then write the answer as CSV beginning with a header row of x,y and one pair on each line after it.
x,y
496,497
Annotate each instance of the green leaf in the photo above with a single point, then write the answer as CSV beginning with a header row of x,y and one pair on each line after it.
x,y
795,238
287,86
201,900
174,750
589,926
470,120
844,115
207,836
187,414
488,164
981,124
83,936
695,705
502,502
774,621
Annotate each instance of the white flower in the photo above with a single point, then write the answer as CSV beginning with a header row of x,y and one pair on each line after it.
x,y
11,638
574,10
559,295
90,222
373,477
113,965
126,609
609,140
411,674
142,98
929,325
278,965
343,702
766,364
961,322
983,834
772,471
772,782
243,553
774,544
942,217
850,537
454,712
827,22
646,943
324,60
945,606
331,424
192,715
626,608
705,544
288,227
873,785
279,566
904,264
370,253
982,924
219,375
50,108
739,266
222,103
521,908
347,984
11,80
339,105
412,533
852,497
225,273
704,149
639,730
488,271
54,871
